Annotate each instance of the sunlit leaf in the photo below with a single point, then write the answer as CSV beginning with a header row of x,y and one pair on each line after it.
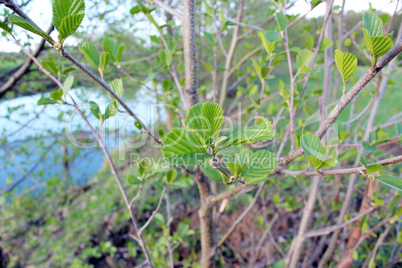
x,y
346,64
23,23
394,182
91,53
282,21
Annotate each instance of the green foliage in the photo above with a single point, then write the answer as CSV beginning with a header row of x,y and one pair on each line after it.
x,y
68,83
346,64
67,16
5,27
272,36
377,44
198,142
303,58
171,175
394,182
282,21
29,26
370,168
115,50
91,54
45,101
315,152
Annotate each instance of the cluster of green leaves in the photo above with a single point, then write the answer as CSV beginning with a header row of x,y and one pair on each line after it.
x,y
112,108
56,97
199,141
376,43
316,152
67,17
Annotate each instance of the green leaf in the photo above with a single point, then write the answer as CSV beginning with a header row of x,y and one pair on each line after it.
x,y
111,45
183,147
111,110
165,56
212,173
304,69
95,110
373,168
304,57
91,54
373,24
207,66
63,8
134,180
229,150
282,21
56,95
104,60
259,133
138,125
50,66
69,25
210,38
312,146
394,182
272,36
205,119
325,44
253,165
346,64
5,27
269,46
362,161
367,147
45,101
171,175
68,83
23,23
377,46
211,119
257,68
117,86
119,55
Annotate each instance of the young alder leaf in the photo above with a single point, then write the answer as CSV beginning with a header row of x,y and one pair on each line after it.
x,y
117,86
111,45
165,56
45,101
257,68
377,46
373,168
5,27
304,57
63,8
367,147
91,54
56,95
95,110
134,180
229,150
111,110
68,83
312,146
207,66
373,24
325,44
258,133
282,21
212,173
272,36
269,46
193,120
211,119
51,67
252,166
362,161
138,125
346,64
119,55
104,60
394,182
183,147
305,69
171,175
23,23
69,25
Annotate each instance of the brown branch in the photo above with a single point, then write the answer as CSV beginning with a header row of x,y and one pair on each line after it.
x,y
153,213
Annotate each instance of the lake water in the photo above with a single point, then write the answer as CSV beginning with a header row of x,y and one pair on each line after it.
x,y
28,134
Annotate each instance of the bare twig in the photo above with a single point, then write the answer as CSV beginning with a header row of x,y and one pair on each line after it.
x,y
167,8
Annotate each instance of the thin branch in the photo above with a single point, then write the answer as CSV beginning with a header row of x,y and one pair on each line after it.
x,y
153,213
167,8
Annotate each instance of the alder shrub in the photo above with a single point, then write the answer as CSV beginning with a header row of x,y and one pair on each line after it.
x,y
226,165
